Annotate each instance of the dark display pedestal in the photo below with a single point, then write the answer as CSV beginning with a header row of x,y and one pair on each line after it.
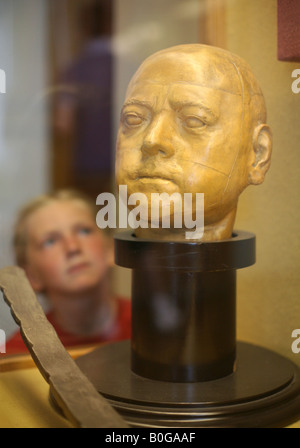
x,y
183,366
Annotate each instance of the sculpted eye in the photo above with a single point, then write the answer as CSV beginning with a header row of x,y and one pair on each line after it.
x,y
132,119
193,122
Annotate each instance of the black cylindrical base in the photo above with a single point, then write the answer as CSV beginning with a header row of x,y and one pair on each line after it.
x,y
263,392
183,305
183,324
184,329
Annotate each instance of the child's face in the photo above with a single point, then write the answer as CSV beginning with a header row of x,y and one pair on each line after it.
x,y
66,252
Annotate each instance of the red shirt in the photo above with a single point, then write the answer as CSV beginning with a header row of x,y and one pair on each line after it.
x,y
121,331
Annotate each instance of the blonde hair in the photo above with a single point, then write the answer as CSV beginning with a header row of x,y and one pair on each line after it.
x,y
20,237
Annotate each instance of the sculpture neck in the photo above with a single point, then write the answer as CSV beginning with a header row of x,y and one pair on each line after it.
x,y
212,232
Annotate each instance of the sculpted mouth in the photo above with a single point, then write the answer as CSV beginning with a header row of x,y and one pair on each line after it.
x,y
153,178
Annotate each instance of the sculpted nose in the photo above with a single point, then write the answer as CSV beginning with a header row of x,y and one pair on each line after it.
x,y
158,139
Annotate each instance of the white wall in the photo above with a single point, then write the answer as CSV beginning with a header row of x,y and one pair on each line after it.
x,y
23,133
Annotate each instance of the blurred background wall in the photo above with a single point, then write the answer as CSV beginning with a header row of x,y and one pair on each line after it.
x,y
268,293
24,148
40,40
46,47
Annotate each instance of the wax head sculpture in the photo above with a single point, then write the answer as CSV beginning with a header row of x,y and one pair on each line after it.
x,y
193,121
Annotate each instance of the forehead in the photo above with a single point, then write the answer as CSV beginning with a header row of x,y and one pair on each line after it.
x,y
198,70
58,214
155,96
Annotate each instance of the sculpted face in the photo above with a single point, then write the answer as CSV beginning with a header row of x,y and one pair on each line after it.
x,y
185,129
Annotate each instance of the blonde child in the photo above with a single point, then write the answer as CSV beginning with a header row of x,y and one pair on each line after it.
x,y
68,258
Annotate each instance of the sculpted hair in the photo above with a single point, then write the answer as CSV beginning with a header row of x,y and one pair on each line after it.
x,y
20,237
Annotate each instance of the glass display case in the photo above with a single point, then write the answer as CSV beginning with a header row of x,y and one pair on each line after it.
x,y
64,69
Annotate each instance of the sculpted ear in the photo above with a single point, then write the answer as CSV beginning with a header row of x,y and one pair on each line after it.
x,y
261,156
